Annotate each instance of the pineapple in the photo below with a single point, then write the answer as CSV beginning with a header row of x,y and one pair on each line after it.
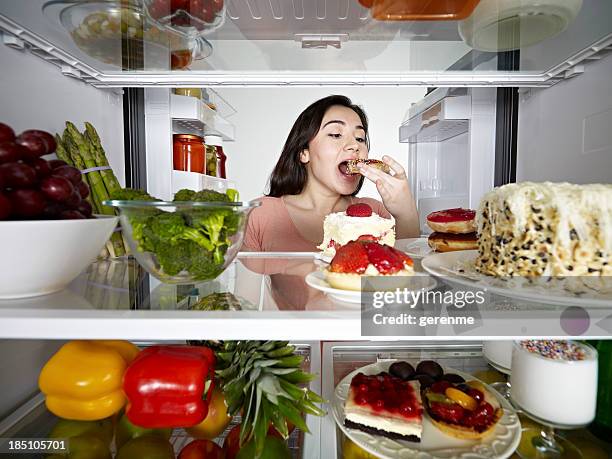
x,y
263,378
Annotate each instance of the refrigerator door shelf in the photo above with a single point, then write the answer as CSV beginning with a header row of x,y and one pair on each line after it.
x,y
197,182
444,120
192,116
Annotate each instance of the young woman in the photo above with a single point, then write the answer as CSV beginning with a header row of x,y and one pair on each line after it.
x,y
308,181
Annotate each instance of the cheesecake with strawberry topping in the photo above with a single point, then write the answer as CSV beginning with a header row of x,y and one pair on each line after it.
x,y
366,257
358,220
385,405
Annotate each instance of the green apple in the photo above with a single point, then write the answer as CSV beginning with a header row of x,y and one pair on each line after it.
x,y
126,431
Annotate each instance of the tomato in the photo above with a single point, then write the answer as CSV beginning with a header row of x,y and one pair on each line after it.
x,y
202,9
179,5
231,445
201,449
159,9
216,5
216,420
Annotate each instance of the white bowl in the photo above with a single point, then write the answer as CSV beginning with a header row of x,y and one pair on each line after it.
x,y
43,256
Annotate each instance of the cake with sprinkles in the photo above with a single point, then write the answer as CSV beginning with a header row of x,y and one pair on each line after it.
x,y
545,229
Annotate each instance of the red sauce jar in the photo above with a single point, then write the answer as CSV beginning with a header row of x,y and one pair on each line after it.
x,y
188,153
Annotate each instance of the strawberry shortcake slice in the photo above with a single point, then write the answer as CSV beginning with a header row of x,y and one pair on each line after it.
x,y
358,220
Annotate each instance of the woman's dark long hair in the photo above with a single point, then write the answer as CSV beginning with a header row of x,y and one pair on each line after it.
x,y
290,174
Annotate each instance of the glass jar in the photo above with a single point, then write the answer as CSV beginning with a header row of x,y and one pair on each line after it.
x,y
217,142
211,161
188,153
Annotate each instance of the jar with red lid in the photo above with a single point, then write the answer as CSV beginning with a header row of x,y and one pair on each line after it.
x,y
217,142
188,153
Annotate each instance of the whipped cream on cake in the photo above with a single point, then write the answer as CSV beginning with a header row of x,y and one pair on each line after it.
x,y
545,229
340,228
385,405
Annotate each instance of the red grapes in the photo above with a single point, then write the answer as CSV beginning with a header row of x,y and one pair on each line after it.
x,y
34,188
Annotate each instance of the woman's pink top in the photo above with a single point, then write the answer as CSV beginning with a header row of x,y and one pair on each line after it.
x,y
271,229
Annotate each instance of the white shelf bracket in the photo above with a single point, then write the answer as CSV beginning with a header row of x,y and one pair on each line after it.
x,y
12,41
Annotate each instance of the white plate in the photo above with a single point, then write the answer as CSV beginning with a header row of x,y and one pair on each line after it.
x,y
325,258
458,268
501,443
316,280
416,247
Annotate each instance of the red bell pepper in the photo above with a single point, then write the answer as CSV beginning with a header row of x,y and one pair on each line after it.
x,y
169,386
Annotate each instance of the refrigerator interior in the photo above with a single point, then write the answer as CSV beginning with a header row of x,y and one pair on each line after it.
x,y
267,72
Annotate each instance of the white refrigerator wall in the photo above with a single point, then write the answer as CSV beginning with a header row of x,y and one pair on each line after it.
x,y
565,132
264,118
34,94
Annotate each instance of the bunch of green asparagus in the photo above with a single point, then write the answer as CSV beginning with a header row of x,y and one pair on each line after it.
x,y
84,151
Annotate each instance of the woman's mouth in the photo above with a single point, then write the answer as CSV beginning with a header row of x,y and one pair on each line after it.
x,y
345,175
343,168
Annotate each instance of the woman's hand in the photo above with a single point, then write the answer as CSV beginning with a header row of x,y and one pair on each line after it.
x,y
396,195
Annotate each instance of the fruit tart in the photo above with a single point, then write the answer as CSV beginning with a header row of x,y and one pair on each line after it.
x,y
365,257
462,410
385,405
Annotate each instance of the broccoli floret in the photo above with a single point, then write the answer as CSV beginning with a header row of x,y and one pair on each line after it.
x,y
195,235
131,194
232,221
232,194
184,195
204,267
211,196
177,257
168,226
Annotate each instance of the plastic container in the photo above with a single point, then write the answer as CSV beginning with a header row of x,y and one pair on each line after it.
x,y
188,153
504,25
219,156
422,10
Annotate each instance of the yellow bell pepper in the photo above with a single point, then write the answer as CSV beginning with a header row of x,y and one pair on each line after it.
x,y
83,380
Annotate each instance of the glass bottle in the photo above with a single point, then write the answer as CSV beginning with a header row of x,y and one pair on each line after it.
x,y
217,142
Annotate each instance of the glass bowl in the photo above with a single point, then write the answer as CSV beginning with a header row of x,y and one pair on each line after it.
x,y
184,242
120,33
192,17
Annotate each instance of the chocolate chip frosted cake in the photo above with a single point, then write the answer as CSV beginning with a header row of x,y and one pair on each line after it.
x,y
550,229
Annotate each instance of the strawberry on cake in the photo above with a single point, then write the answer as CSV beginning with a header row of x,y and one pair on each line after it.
x,y
366,257
358,220
385,405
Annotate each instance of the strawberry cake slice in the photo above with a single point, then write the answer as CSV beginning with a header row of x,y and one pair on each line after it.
x,y
385,405
366,257
358,220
